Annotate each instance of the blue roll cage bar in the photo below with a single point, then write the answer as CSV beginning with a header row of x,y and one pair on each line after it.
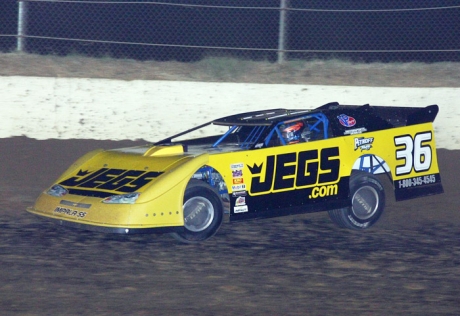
x,y
259,129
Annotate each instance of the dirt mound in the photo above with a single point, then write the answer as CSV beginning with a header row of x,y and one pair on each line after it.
x,y
314,72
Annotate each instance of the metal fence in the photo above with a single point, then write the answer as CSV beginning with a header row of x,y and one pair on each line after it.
x,y
274,30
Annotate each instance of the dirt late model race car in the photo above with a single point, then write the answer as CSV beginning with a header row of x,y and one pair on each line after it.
x,y
253,165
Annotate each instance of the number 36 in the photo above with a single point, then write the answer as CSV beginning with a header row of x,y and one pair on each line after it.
x,y
414,153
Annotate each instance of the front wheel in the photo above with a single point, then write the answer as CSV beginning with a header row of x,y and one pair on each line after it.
x,y
202,212
367,203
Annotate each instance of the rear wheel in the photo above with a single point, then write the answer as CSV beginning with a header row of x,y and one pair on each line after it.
x,y
202,212
367,203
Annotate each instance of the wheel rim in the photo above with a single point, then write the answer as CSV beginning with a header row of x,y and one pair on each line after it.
x,y
365,202
198,214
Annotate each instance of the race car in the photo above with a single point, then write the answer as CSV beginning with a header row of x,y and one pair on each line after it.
x,y
253,165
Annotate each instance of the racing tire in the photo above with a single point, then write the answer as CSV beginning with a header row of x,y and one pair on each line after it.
x,y
203,212
367,203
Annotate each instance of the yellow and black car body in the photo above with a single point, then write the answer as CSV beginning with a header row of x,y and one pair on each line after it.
x,y
253,165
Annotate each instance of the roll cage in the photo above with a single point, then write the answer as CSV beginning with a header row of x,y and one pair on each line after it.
x,y
268,136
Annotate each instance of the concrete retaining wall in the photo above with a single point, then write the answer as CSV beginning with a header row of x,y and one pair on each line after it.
x,y
65,108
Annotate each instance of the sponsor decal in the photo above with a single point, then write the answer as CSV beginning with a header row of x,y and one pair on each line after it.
x,y
235,166
237,173
69,212
239,193
295,170
237,177
241,200
363,143
238,187
122,180
240,209
346,120
355,131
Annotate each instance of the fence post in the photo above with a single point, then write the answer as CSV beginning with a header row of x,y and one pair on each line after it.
x,y
284,5
22,26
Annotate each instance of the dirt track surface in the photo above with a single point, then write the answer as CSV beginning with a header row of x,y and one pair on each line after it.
x,y
408,264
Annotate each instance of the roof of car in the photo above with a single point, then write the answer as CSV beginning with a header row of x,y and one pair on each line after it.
x,y
267,117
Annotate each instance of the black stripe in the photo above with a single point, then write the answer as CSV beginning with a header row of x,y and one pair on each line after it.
x,y
90,193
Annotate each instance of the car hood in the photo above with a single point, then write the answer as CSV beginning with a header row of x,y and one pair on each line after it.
x,y
127,170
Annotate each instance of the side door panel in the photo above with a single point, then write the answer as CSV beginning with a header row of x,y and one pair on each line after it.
x,y
275,181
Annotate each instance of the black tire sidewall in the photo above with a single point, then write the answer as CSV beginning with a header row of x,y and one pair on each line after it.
x,y
357,183
199,188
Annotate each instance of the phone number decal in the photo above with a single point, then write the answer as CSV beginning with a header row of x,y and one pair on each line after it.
x,y
417,181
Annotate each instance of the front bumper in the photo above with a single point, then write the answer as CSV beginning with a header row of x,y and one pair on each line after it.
x,y
89,213
108,229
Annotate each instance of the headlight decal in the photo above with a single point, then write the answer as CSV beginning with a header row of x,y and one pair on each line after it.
x,y
57,190
129,198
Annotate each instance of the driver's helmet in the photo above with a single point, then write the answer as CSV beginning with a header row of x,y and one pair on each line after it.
x,y
294,132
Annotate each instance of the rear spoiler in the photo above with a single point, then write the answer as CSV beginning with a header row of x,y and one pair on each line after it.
x,y
395,115
423,115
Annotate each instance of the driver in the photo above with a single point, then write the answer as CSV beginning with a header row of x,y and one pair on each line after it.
x,y
295,133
